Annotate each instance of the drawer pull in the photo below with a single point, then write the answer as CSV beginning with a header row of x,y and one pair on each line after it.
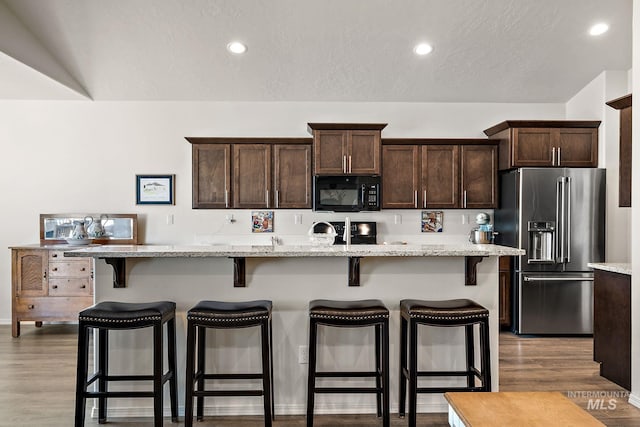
x,y
31,306
83,286
55,268
54,255
83,269
55,286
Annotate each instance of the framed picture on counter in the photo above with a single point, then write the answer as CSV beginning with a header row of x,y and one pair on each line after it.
x,y
155,189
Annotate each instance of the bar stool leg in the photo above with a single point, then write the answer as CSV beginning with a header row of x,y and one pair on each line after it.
x,y
201,343
413,372
379,371
273,405
486,357
385,378
157,373
266,373
402,379
171,356
81,373
103,369
470,351
311,385
189,381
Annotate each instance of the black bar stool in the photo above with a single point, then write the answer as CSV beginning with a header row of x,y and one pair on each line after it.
x,y
447,313
106,316
223,315
351,314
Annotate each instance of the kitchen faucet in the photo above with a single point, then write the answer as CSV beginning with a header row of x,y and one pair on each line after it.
x,y
346,235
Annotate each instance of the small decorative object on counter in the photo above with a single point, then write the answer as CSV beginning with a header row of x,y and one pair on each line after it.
x,y
483,233
432,221
95,228
322,233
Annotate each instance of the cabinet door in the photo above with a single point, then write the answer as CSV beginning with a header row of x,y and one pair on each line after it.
x,y
504,291
211,178
479,176
532,147
363,152
400,178
251,175
292,176
329,152
30,272
440,177
577,147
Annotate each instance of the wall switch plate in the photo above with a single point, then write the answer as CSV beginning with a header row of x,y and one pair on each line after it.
x,y
303,354
297,218
397,219
169,219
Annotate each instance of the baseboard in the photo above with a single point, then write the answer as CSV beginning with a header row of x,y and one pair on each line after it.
x,y
240,408
5,321
634,400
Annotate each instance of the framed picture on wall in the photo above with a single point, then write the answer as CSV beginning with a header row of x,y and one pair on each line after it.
x,y
155,189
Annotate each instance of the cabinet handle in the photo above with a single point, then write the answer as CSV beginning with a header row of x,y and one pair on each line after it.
x,y
54,286
266,195
54,255
44,275
226,198
55,269
349,164
344,164
464,199
83,269
277,200
424,199
558,156
31,306
415,198
83,286
553,156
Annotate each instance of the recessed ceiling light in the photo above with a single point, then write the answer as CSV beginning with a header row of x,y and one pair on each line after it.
x,y
236,47
598,29
422,49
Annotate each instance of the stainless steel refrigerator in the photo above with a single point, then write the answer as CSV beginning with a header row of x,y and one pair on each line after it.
x,y
557,215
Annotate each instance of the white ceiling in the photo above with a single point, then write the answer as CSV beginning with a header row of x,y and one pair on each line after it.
x,y
309,50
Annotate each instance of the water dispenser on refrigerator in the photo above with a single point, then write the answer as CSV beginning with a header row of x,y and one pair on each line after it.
x,y
541,241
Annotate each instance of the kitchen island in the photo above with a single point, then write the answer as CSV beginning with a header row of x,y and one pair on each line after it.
x,y
291,276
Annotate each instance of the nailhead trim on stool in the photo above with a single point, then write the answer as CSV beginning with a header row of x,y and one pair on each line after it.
x,y
351,314
109,315
446,313
226,315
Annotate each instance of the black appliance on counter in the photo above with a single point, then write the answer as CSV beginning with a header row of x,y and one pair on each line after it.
x,y
362,232
346,193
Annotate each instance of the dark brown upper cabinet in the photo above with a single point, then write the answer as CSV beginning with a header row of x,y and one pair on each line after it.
x,y
624,189
346,148
559,143
292,176
252,176
251,173
438,174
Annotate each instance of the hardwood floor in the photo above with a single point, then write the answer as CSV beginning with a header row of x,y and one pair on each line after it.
x,y
37,382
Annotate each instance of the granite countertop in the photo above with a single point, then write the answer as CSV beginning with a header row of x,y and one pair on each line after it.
x,y
188,251
613,267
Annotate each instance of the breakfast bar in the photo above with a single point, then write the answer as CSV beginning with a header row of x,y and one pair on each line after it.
x,y
291,276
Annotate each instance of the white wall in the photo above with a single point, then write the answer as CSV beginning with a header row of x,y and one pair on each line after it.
x,y
589,104
77,156
635,227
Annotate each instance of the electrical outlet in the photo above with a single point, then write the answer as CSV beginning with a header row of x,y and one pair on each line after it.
x,y
297,218
169,219
303,354
397,219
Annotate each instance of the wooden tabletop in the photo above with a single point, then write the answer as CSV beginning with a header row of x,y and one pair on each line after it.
x,y
523,409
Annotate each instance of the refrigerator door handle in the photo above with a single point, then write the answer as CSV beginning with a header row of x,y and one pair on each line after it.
x,y
561,212
558,233
557,279
568,217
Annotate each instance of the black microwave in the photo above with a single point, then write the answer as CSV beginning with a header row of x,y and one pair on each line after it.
x,y
346,193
